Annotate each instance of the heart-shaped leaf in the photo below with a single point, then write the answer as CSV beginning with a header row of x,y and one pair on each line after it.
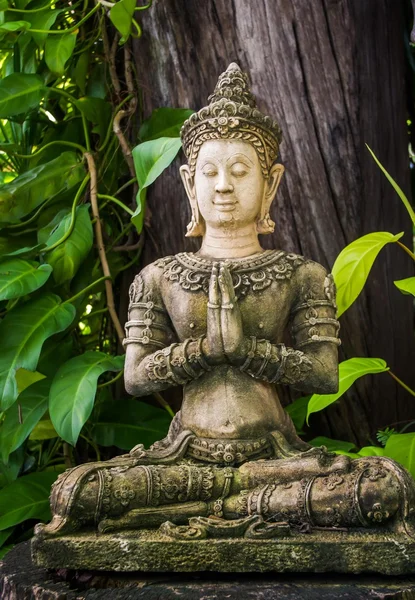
x,y
66,258
349,371
130,423
407,286
353,265
401,447
58,49
26,328
19,93
19,422
164,122
19,197
42,20
26,498
150,160
121,15
20,277
73,391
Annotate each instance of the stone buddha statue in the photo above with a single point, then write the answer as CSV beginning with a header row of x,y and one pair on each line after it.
x,y
213,322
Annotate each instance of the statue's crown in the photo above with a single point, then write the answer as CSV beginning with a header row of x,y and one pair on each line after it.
x,y
232,114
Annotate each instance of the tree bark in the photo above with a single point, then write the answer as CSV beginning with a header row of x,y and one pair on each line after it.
x,y
332,72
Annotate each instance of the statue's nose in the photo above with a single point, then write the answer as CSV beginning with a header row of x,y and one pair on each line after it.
x,y
223,186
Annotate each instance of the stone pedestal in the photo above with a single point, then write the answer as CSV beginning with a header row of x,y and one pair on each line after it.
x,y
153,550
21,580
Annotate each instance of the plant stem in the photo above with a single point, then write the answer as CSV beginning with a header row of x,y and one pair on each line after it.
x,y
109,130
411,254
71,29
88,287
101,247
62,143
126,185
163,403
112,199
111,381
408,389
73,213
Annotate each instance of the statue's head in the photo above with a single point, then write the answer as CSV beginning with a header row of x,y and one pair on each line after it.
x,y
231,147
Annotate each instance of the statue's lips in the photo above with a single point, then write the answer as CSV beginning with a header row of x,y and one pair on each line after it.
x,y
225,206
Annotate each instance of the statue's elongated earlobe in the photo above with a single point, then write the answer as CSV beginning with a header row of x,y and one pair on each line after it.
x,y
196,226
265,224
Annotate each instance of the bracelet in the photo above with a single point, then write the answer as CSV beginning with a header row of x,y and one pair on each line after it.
x,y
267,356
250,355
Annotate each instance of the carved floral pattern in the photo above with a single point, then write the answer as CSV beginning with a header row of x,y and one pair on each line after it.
x,y
193,272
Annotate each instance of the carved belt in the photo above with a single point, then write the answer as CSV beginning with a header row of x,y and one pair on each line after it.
x,y
229,452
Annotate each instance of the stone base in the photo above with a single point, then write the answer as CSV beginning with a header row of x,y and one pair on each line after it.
x,y
21,580
153,551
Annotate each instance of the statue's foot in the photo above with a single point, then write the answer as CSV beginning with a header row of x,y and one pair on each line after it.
x,y
57,527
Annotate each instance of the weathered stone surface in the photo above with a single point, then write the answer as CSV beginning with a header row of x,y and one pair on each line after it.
x,y
149,550
21,580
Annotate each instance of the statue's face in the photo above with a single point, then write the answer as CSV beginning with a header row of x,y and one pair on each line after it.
x,y
228,183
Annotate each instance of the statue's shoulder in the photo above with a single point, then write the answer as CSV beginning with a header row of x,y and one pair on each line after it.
x,y
149,281
314,281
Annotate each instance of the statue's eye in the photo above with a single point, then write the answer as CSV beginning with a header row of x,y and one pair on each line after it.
x,y
209,171
239,170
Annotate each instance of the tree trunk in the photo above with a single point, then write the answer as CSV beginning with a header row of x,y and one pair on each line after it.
x,y
332,73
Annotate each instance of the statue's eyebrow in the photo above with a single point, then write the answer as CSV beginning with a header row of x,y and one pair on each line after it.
x,y
240,156
208,161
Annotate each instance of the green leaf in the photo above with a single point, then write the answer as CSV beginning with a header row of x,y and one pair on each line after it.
x,y
42,20
73,391
26,192
66,258
150,160
332,445
353,264
298,411
121,15
164,122
129,423
349,371
19,93
20,277
58,49
24,378
26,498
26,328
96,110
4,535
395,186
81,71
371,451
15,26
18,424
44,430
4,5
10,472
401,447
407,286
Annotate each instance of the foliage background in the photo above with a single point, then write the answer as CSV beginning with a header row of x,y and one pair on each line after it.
x,y
74,221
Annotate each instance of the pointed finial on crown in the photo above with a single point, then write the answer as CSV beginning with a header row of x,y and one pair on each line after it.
x,y
232,114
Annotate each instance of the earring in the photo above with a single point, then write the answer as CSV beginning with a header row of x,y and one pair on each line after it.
x,y
195,228
265,225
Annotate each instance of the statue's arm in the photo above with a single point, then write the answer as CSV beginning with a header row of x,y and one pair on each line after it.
x,y
155,360
312,363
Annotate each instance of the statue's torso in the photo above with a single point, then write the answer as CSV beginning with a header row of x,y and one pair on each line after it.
x,y
225,402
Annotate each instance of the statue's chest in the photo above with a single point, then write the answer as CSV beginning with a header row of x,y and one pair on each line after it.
x,y
265,313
